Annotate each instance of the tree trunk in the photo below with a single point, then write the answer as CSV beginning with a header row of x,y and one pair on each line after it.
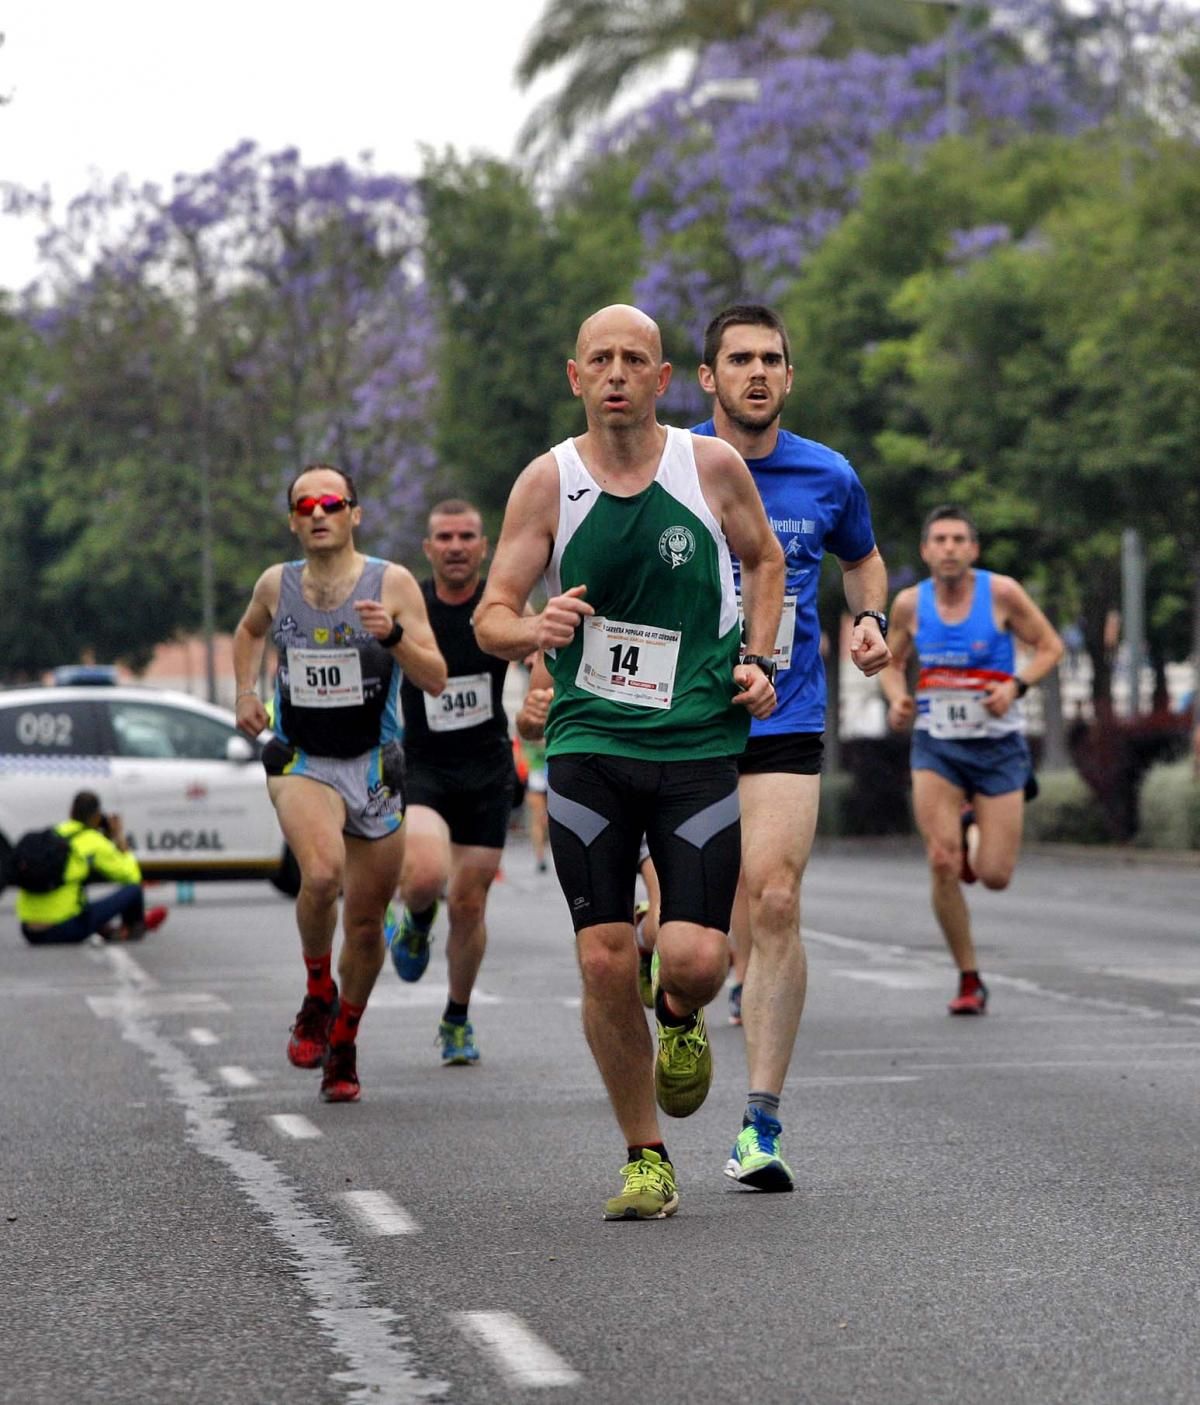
x,y
1195,564
1055,756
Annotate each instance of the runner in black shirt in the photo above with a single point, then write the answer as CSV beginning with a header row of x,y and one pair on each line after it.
x,y
459,782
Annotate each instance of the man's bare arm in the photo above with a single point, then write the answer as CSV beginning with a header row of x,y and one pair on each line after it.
x,y
1027,622
249,640
531,719
893,679
1022,618
865,583
502,626
416,652
727,482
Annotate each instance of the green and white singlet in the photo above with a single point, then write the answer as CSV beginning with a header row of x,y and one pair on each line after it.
x,y
650,675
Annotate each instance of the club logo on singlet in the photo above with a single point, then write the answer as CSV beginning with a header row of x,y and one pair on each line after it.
x,y
677,546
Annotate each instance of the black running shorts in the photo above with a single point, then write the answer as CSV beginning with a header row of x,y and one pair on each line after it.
x,y
599,808
789,753
474,799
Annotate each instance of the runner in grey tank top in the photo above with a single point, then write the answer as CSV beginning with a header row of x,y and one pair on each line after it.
x,y
337,687
344,625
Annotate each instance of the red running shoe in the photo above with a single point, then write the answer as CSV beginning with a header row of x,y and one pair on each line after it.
x,y
155,918
971,998
969,823
339,1081
310,1034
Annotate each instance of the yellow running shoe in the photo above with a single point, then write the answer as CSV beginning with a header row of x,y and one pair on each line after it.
x,y
683,1070
649,1192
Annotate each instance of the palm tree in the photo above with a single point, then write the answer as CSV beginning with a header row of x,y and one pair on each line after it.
x,y
608,42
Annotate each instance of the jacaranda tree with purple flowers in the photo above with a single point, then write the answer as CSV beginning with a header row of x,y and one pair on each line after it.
x,y
257,316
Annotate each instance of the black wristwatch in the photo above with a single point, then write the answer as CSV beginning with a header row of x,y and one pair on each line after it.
x,y
878,616
393,636
1021,686
768,666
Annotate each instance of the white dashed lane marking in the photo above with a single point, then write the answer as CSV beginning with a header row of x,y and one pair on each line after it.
x,y
202,1036
236,1076
378,1212
291,1124
521,1357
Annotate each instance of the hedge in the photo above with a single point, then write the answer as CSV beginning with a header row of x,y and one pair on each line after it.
x,y
1170,808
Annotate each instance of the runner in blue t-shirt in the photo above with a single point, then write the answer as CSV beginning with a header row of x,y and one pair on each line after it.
x,y
815,504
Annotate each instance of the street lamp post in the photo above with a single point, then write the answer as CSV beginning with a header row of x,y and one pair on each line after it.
x,y
954,115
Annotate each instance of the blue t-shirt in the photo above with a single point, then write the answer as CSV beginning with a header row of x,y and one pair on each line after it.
x,y
815,503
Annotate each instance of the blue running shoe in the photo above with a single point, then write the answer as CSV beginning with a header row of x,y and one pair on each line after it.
x,y
755,1160
458,1043
735,1004
408,944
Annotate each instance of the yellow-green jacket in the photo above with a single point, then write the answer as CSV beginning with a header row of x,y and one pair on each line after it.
x,y
93,854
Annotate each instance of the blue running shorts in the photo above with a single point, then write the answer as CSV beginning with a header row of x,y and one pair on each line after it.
x,y
986,766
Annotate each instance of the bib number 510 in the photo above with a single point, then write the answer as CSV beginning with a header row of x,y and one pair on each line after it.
x,y
329,677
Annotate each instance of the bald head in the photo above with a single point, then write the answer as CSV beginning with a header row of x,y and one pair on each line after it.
x,y
623,321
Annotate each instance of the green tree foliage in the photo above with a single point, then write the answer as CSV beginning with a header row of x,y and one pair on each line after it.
x,y
262,316
511,282
1014,329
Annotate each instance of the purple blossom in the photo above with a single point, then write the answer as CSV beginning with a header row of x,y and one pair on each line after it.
x,y
749,183
966,245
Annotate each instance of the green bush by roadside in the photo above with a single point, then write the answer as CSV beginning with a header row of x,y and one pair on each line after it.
x,y
1170,808
1065,812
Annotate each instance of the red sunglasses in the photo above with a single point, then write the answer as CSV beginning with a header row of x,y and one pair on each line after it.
x,y
327,502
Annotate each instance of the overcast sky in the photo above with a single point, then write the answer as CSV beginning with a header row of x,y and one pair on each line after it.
x,y
153,87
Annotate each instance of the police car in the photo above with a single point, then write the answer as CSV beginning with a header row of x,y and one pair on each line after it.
x,y
177,771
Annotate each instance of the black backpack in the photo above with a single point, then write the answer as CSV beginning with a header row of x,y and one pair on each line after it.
x,y
39,861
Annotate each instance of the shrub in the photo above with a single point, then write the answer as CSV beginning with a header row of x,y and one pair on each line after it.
x,y
1065,812
1170,808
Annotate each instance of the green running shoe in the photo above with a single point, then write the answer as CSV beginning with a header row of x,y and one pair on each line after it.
x,y
649,1192
458,1043
755,1160
407,943
645,978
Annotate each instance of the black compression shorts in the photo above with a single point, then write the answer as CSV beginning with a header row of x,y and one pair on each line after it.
x,y
475,800
599,808
791,753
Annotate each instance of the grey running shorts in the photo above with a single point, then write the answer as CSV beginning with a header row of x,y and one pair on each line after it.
x,y
371,785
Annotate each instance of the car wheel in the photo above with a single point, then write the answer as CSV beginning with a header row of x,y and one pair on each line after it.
x,y
286,877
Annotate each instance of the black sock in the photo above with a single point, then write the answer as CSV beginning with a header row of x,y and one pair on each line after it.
x,y
657,1147
667,1016
455,1013
423,919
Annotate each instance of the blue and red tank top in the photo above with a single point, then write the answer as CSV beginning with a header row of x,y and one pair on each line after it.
x,y
958,661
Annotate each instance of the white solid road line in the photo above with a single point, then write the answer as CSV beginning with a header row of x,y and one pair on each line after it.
x,y
202,1036
523,1358
236,1076
378,1212
291,1124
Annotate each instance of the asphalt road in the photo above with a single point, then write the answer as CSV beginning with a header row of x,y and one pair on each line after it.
x,y
995,1210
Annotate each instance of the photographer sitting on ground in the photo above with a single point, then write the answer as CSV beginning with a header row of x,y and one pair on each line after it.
x,y
50,868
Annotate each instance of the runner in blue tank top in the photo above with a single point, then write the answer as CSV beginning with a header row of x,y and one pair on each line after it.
x,y
344,625
970,760
814,503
